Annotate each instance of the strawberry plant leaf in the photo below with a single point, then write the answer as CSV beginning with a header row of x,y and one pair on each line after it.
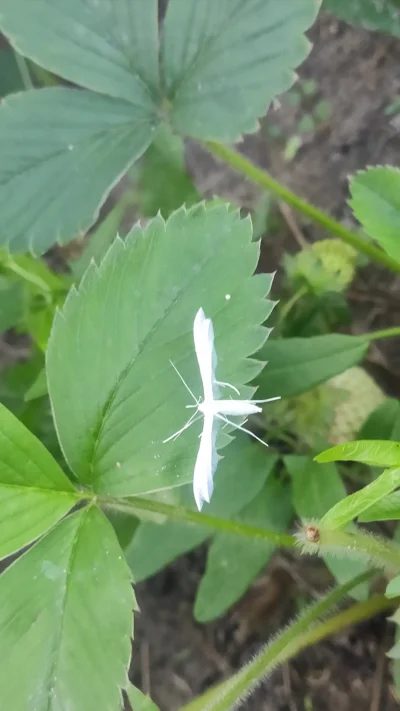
x,y
34,492
70,628
114,393
223,62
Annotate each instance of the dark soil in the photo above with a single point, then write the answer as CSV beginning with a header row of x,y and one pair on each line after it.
x,y
174,657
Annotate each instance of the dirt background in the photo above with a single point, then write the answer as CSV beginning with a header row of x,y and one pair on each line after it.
x,y
174,658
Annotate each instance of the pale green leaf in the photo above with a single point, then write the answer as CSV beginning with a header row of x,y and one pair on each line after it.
x,y
239,478
375,453
164,184
138,700
393,590
66,620
223,62
375,199
296,365
381,15
353,505
62,151
386,509
38,387
34,492
114,393
110,46
234,562
316,488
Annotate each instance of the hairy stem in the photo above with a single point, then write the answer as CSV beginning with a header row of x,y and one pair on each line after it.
x,y
319,539
134,504
307,630
262,178
23,70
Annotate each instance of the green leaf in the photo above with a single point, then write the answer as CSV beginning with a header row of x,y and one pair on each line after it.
x,y
223,62
38,387
114,393
101,238
34,491
233,562
240,477
346,510
295,365
393,589
138,700
62,151
10,77
164,184
375,199
316,488
383,15
375,453
110,46
386,509
66,620
383,422
12,303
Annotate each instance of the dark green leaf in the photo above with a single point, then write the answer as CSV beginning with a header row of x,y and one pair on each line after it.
x,y
164,184
295,365
114,393
381,15
66,620
34,491
376,204
234,562
383,423
62,151
110,46
375,453
12,303
38,387
10,77
223,62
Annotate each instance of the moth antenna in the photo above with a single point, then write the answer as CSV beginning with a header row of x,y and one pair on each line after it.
x,y
269,399
228,385
240,427
184,382
176,434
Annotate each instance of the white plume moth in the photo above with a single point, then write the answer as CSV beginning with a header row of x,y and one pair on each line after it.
x,y
211,409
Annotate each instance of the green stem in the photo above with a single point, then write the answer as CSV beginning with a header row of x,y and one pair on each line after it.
x,y
23,70
299,635
134,504
287,307
384,333
262,178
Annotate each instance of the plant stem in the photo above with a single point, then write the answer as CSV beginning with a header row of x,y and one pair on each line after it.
x,y
381,552
299,635
287,307
23,70
262,178
134,504
384,333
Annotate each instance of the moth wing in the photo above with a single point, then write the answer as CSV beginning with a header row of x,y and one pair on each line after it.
x,y
206,463
203,336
